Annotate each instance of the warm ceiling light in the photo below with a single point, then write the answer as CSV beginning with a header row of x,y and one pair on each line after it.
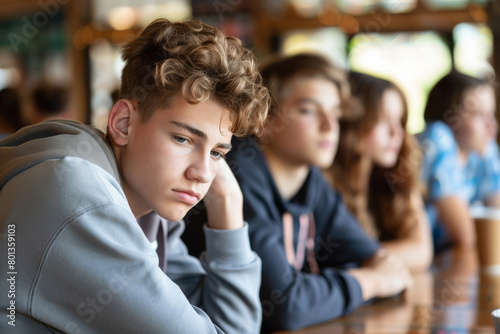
x,y
122,18
329,15
399,6
176,10
306,8
172,10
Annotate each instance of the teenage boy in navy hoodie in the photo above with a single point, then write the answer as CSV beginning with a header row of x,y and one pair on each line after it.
x,y
317,262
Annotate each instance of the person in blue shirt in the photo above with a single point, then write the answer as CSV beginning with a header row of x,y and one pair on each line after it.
x,y
461,166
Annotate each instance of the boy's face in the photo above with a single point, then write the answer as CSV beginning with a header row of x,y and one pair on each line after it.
x,y
311,108
170,161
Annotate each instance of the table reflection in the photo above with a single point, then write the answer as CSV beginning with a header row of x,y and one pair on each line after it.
x,y
452,297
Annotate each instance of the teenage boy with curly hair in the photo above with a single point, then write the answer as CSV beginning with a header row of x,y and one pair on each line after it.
x,y
70,197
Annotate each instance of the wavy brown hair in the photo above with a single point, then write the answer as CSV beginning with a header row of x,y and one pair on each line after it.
x,y
199,62
384,209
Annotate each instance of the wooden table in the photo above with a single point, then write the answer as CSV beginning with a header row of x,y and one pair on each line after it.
x,y
453,297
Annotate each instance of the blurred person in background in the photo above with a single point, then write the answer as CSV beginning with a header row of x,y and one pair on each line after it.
x,y
377,170
461,165
10,112
317,262
50,101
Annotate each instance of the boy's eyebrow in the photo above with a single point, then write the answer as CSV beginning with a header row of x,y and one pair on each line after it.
x,y
308,99
199,133
224,146
191,129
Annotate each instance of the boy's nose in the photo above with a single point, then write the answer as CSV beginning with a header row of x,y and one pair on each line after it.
x,y
328,122
199,170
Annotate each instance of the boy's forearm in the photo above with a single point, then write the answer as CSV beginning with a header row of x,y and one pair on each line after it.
x,y
366,282
368,277
382,276
230,262
228,246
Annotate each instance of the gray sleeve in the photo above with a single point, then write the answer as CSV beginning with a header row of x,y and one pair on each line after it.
x,y
109,273
85,265
226,284
185,270
233,281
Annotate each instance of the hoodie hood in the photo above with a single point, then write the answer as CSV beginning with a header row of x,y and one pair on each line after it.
x,y
54,140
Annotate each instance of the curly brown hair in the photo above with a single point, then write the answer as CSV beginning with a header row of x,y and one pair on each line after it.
x,y
384,209
200,63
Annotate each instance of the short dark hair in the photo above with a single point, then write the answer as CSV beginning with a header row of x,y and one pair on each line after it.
x,y
280,71
447,95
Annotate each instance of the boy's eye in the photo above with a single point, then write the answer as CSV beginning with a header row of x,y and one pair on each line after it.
x,y
180,140
307,111
217,155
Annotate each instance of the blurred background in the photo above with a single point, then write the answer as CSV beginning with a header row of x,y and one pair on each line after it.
x,y
76,43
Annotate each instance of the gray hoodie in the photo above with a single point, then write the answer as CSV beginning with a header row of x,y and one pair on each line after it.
x,y
74,259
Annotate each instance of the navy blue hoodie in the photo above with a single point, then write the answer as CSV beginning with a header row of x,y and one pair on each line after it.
x,y
309,286
292,295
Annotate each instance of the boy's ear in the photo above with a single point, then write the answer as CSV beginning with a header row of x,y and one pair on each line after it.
x,y
119,121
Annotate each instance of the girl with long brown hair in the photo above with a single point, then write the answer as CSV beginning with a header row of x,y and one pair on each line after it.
x,y
377,170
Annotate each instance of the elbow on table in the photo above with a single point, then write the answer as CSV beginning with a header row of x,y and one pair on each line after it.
x,y
422,257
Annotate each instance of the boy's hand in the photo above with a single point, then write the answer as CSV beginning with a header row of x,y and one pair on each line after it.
x,y
383,275
224,200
